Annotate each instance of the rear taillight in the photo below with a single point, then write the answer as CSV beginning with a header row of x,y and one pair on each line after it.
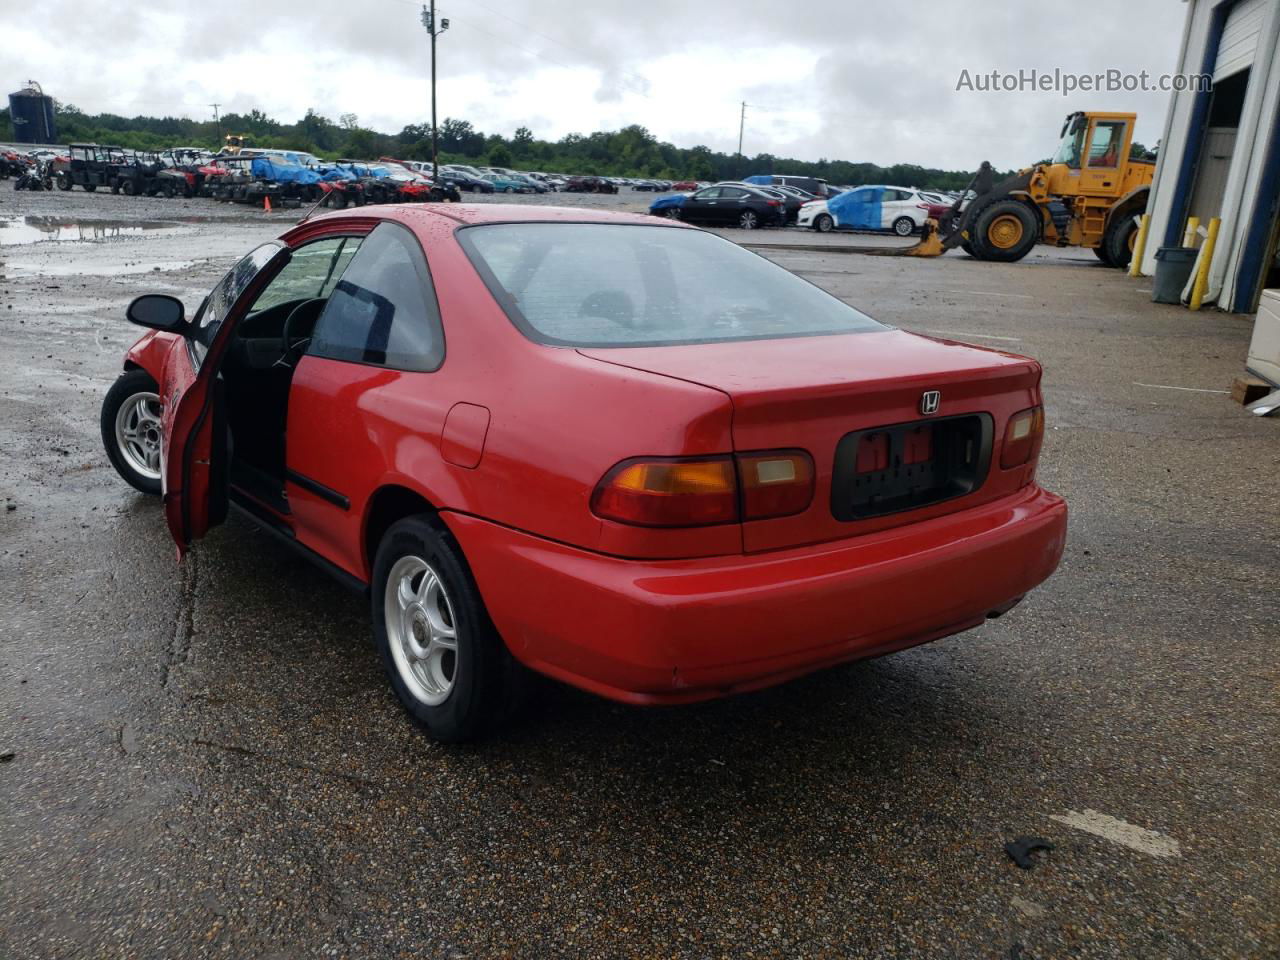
x,y
688,492
669,493
775,203
1022,438
775,484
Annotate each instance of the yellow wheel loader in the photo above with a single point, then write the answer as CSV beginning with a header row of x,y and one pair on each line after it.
x,y
1090,194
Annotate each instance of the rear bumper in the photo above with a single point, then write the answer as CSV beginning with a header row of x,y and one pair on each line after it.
x,y
677,631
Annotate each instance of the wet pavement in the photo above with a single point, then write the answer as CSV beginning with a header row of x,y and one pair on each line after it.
x,y
204,760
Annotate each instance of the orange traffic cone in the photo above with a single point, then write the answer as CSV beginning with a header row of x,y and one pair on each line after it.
x,y
266,204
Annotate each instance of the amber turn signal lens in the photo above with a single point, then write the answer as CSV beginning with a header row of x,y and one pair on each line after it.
x,y
669,493
1022,438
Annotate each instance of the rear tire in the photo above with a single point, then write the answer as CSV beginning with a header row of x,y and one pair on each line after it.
x,y
443,657
1101,253
130,430
64,182
1005,232
824,223
904,226
129,188
90,187
1119,241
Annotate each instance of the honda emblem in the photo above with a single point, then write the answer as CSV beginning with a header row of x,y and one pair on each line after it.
x,y
930,400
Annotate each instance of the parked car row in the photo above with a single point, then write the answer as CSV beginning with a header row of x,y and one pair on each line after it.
x,y
763,201
243,176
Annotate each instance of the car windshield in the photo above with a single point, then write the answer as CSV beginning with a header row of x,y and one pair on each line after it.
x,y
617,285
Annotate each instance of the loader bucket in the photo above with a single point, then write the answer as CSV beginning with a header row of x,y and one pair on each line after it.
x,y
929,245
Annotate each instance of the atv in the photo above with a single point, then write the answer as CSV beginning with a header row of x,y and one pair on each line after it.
x,y
235,180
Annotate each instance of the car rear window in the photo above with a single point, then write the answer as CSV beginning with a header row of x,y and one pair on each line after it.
x,y
617,285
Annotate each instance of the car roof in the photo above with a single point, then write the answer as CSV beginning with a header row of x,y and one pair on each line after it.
x,y
422,218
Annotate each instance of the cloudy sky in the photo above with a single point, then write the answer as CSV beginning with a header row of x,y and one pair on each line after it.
x,y
827,78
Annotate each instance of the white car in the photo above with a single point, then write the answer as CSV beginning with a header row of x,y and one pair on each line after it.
x,y
902,210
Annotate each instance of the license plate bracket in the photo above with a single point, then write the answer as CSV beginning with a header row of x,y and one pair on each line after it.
x,y
905,466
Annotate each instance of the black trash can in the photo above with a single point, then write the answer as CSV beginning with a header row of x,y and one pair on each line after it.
x,y
1173,269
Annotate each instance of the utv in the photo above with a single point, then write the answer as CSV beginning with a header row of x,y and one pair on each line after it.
x,y
136,174
88,165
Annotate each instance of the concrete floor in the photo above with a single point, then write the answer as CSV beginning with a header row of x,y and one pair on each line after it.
x,y
205,760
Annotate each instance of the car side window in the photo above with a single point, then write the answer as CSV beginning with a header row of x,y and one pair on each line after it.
x,y
383,311
711,193
312,271
733,193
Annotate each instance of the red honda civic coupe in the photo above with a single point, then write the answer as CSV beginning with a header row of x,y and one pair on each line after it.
x,y
624,453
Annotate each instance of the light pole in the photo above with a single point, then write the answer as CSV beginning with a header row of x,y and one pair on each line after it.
x,y
429,21
218,122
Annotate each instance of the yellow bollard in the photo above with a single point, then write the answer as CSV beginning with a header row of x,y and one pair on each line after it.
x,y
1139,246
1193,227
1206,258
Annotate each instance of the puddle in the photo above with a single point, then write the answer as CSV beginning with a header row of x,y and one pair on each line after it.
x,y
93,270
23,231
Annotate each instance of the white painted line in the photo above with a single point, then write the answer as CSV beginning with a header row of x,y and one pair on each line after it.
x,y
1117,831
992,293
980,336
1163,386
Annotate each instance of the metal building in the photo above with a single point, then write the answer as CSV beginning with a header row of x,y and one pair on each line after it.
x,y
32,115
1220,153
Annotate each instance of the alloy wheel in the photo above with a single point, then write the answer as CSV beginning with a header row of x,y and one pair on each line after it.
x,y
138,433
421,630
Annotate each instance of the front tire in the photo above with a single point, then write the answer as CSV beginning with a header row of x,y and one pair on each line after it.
x,y
671,213
131,431
1005,232
824,223
442,654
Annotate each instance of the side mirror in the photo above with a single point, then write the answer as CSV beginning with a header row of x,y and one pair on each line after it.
x,y
158,311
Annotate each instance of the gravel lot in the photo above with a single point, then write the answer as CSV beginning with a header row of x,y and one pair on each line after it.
x,y
205,760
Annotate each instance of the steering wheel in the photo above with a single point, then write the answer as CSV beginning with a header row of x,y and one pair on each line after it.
x,y
293,347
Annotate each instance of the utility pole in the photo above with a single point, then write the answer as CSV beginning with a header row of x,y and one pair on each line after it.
x,y
742,122
217,121
429,21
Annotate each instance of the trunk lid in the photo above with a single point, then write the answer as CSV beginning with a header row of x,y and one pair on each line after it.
x,y
813,392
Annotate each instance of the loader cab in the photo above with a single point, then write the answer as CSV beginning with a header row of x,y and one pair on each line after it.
x,y
1092,158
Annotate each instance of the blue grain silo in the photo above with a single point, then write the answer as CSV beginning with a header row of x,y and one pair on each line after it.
x,y
32,115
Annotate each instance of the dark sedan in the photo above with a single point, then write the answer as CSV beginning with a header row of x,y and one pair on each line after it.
x,y
726,206
465,181
589,185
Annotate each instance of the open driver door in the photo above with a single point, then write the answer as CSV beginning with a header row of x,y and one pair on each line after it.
x,y
195,448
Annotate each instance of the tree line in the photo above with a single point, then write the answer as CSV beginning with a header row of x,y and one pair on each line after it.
x,y
630,152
